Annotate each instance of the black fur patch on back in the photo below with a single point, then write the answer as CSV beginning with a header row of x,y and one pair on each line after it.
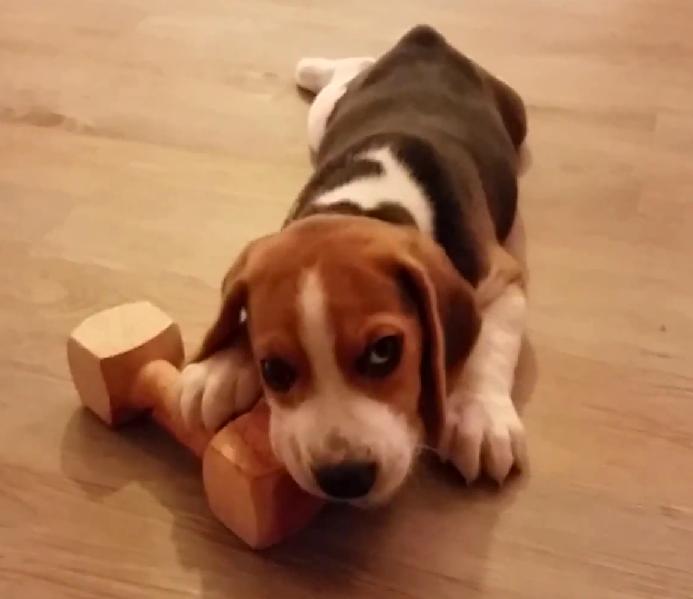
x,y
390,212
333,174
451,229
341,172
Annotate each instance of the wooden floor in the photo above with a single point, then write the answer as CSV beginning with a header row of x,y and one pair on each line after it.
x,y
143,142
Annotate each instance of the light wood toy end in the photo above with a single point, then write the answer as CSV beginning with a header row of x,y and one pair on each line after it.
x,y
107,350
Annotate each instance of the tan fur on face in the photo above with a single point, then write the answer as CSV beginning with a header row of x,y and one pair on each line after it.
x,y
337,283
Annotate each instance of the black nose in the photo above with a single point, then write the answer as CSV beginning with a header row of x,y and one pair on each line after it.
x,y
346,480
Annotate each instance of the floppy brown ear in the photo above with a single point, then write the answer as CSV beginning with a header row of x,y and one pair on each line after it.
x,y
451,323
228,326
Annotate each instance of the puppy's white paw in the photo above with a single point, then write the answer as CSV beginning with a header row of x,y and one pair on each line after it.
x,y
214,390
314,73
483,433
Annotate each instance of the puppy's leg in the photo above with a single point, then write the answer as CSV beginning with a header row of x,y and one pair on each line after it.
x,y
482,430
313,74
224,385
328,79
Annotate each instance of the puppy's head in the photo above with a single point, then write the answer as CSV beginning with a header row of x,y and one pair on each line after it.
x,y
355,326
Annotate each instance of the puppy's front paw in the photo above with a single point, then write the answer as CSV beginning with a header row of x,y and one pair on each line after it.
x,y
483,432
214,390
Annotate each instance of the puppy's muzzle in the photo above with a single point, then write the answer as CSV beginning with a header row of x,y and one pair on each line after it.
x,y
346,480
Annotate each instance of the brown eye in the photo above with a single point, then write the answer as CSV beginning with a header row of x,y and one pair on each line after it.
x,y
278,374
381,357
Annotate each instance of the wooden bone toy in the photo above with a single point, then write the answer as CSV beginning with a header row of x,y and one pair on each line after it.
x,y
124,362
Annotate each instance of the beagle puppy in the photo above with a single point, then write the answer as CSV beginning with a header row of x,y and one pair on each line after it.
x,y
387,314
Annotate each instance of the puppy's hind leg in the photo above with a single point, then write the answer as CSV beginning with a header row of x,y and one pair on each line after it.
x,y
313,74
328,79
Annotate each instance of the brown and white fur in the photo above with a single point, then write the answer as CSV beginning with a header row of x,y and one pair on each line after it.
x,y
402,231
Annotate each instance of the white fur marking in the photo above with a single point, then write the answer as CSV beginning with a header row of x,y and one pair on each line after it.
x,y
320,111
395,185
328,79
318,337
482,428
